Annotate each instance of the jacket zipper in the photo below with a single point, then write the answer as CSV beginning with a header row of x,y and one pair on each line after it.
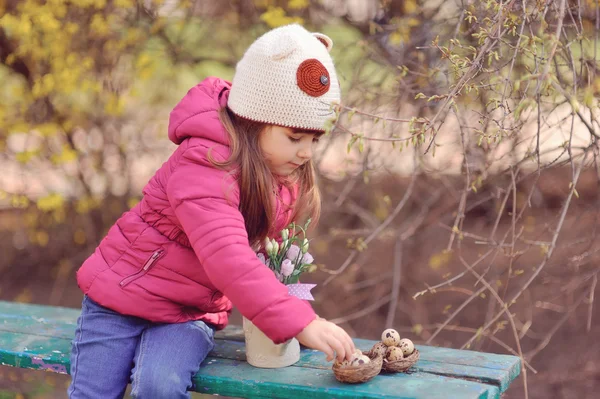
x,y
147,266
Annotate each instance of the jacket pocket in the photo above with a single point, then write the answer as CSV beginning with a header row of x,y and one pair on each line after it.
x,y
156,255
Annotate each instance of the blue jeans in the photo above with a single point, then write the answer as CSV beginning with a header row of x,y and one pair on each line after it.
x,y
110,350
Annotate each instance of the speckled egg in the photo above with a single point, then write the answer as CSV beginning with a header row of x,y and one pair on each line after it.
x,y
379,349
390,337
407,346
346,363
393,354
355,355
361,360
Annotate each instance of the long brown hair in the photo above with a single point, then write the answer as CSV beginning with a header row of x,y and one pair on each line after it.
x,y
257,183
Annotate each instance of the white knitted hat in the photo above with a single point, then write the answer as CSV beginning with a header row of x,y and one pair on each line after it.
x,y
286,78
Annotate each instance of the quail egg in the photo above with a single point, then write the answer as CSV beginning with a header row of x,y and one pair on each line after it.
x,y
390,337
379,349
407,346
361,360
393,354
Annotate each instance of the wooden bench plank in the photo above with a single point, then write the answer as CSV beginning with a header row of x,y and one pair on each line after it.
x,y
235,350
232,378
38,336
55,313
237,378
487,365
499,370
42,327
35,352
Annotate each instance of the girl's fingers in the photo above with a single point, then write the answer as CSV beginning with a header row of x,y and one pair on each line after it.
x,y
351,343
349,338
349,348
346,341
346,338
327,350
337,345
340,336
334,342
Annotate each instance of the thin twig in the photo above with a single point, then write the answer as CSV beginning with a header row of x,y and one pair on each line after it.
x,y
354,110
531,354
363,312
453,279
492,338
389,320
368,283
509,316
591,302
541,266
376,232
472,71
455,313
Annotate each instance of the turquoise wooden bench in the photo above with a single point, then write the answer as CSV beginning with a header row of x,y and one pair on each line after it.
x,y
39,337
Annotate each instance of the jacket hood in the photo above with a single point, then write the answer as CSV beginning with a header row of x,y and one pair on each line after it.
x,y
197,114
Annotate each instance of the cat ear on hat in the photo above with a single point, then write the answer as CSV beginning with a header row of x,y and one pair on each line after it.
x,y
326,40
282,48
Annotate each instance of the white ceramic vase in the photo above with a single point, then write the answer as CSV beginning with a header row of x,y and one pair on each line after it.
x,y
262,352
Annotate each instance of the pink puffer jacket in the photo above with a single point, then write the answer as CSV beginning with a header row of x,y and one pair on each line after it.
x,y
182,253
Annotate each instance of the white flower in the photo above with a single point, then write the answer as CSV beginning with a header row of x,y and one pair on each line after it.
x,y
305,246
269,247
275,247
307,259
287,268
292,253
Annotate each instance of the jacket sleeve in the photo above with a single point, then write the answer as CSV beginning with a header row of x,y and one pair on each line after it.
x,y
206,200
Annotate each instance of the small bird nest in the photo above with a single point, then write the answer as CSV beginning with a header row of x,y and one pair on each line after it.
x,y
401,365
358,374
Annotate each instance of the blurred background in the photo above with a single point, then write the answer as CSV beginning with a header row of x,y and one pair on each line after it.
x,y
460,180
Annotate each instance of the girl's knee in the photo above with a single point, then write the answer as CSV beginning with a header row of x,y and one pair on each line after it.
x,y
163,383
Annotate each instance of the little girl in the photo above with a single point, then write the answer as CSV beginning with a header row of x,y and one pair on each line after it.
x,y
169,271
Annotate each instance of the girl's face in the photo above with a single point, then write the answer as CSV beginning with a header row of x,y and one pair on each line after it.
x,y
286,149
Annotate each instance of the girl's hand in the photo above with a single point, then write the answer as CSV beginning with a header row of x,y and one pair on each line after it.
x,y
327,337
